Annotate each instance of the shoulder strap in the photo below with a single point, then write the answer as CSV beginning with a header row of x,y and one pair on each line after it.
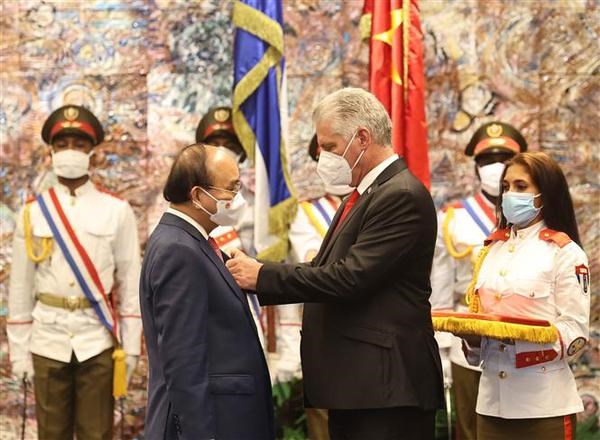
x,y
550,235
497,235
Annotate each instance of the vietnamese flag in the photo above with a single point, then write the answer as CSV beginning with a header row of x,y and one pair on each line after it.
x,y
396,75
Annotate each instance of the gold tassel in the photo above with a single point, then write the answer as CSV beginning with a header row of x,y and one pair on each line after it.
x,y
471,296
495,329
119,374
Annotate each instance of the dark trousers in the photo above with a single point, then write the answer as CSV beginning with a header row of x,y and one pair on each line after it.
x,y
74,397
549,428
403,423
466,385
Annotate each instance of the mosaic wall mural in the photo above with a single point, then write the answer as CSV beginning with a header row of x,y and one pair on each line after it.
x,y
150,68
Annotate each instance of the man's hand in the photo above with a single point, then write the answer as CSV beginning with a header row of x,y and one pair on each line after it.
x,y
244,269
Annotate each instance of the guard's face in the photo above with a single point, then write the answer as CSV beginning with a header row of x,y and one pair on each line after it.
x,y
484,159
227,142
70,142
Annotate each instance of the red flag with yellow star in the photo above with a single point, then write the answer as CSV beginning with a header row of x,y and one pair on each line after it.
x,y
396,75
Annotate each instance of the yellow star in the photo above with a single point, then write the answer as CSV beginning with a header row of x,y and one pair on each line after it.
x,y
387,37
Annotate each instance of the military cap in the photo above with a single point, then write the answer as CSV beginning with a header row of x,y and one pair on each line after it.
x,y
313,148
217,122
73,120
496,137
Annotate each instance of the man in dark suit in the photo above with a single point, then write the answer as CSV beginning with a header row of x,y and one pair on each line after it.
x,y
208,377
368,351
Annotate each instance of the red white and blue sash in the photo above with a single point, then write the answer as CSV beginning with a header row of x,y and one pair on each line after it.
x,y
481,213
80,263
320,212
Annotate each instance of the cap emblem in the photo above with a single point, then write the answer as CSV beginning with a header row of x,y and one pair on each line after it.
x,y
221,115
494,130
71,113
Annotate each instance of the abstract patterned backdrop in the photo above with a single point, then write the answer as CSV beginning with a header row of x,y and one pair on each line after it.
x,y
150,69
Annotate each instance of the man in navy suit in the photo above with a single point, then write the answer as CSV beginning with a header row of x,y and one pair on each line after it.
x,y
208,378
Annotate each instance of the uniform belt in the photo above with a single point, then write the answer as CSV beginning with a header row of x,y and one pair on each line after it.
x,y
64,302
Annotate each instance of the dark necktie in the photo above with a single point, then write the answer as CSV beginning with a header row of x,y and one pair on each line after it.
x,y
216,248
347,207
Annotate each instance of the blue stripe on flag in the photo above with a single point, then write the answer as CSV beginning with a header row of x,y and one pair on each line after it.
x,y
72,264
261,109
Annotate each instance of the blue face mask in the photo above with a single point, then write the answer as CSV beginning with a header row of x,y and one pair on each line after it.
x,y
518,208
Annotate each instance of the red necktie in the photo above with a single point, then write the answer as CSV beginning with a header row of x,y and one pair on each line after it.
x,y
216,248
347,207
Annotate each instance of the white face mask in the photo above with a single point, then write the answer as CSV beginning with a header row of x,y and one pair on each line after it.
x,y
334,170
70,164
490,176
338,190
228,212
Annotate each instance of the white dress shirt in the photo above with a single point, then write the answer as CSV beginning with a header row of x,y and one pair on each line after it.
x,y
372,175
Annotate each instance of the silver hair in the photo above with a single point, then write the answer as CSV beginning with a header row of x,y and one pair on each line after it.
x,y
350,108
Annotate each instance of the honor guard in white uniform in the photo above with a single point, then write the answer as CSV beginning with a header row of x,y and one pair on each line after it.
x,y
532,268
216,128
73,295
536,273
462,228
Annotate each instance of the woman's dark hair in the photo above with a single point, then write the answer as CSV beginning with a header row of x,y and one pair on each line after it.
x,y
557,206
188,170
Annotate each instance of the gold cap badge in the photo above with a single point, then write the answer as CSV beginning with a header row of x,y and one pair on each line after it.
x,y
71,113
494,130
221,115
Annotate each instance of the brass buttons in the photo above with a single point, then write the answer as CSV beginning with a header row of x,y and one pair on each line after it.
x,y
502,375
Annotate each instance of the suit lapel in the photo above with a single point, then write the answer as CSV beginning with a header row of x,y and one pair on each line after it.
x,y
332,233
393,169
327,238
173,220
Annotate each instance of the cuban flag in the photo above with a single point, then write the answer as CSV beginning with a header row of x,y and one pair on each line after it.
x,y
260,119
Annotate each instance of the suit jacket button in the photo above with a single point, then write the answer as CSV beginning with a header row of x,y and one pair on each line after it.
x,y
502,374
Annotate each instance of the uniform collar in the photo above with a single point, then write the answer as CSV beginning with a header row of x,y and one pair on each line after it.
x,y
529,231
86,188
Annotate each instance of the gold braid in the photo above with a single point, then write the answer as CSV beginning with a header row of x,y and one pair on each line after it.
x,y
30,245
471,297
448,239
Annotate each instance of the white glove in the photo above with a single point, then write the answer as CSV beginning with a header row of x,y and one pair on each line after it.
x,y
447,371
21,368
131,361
